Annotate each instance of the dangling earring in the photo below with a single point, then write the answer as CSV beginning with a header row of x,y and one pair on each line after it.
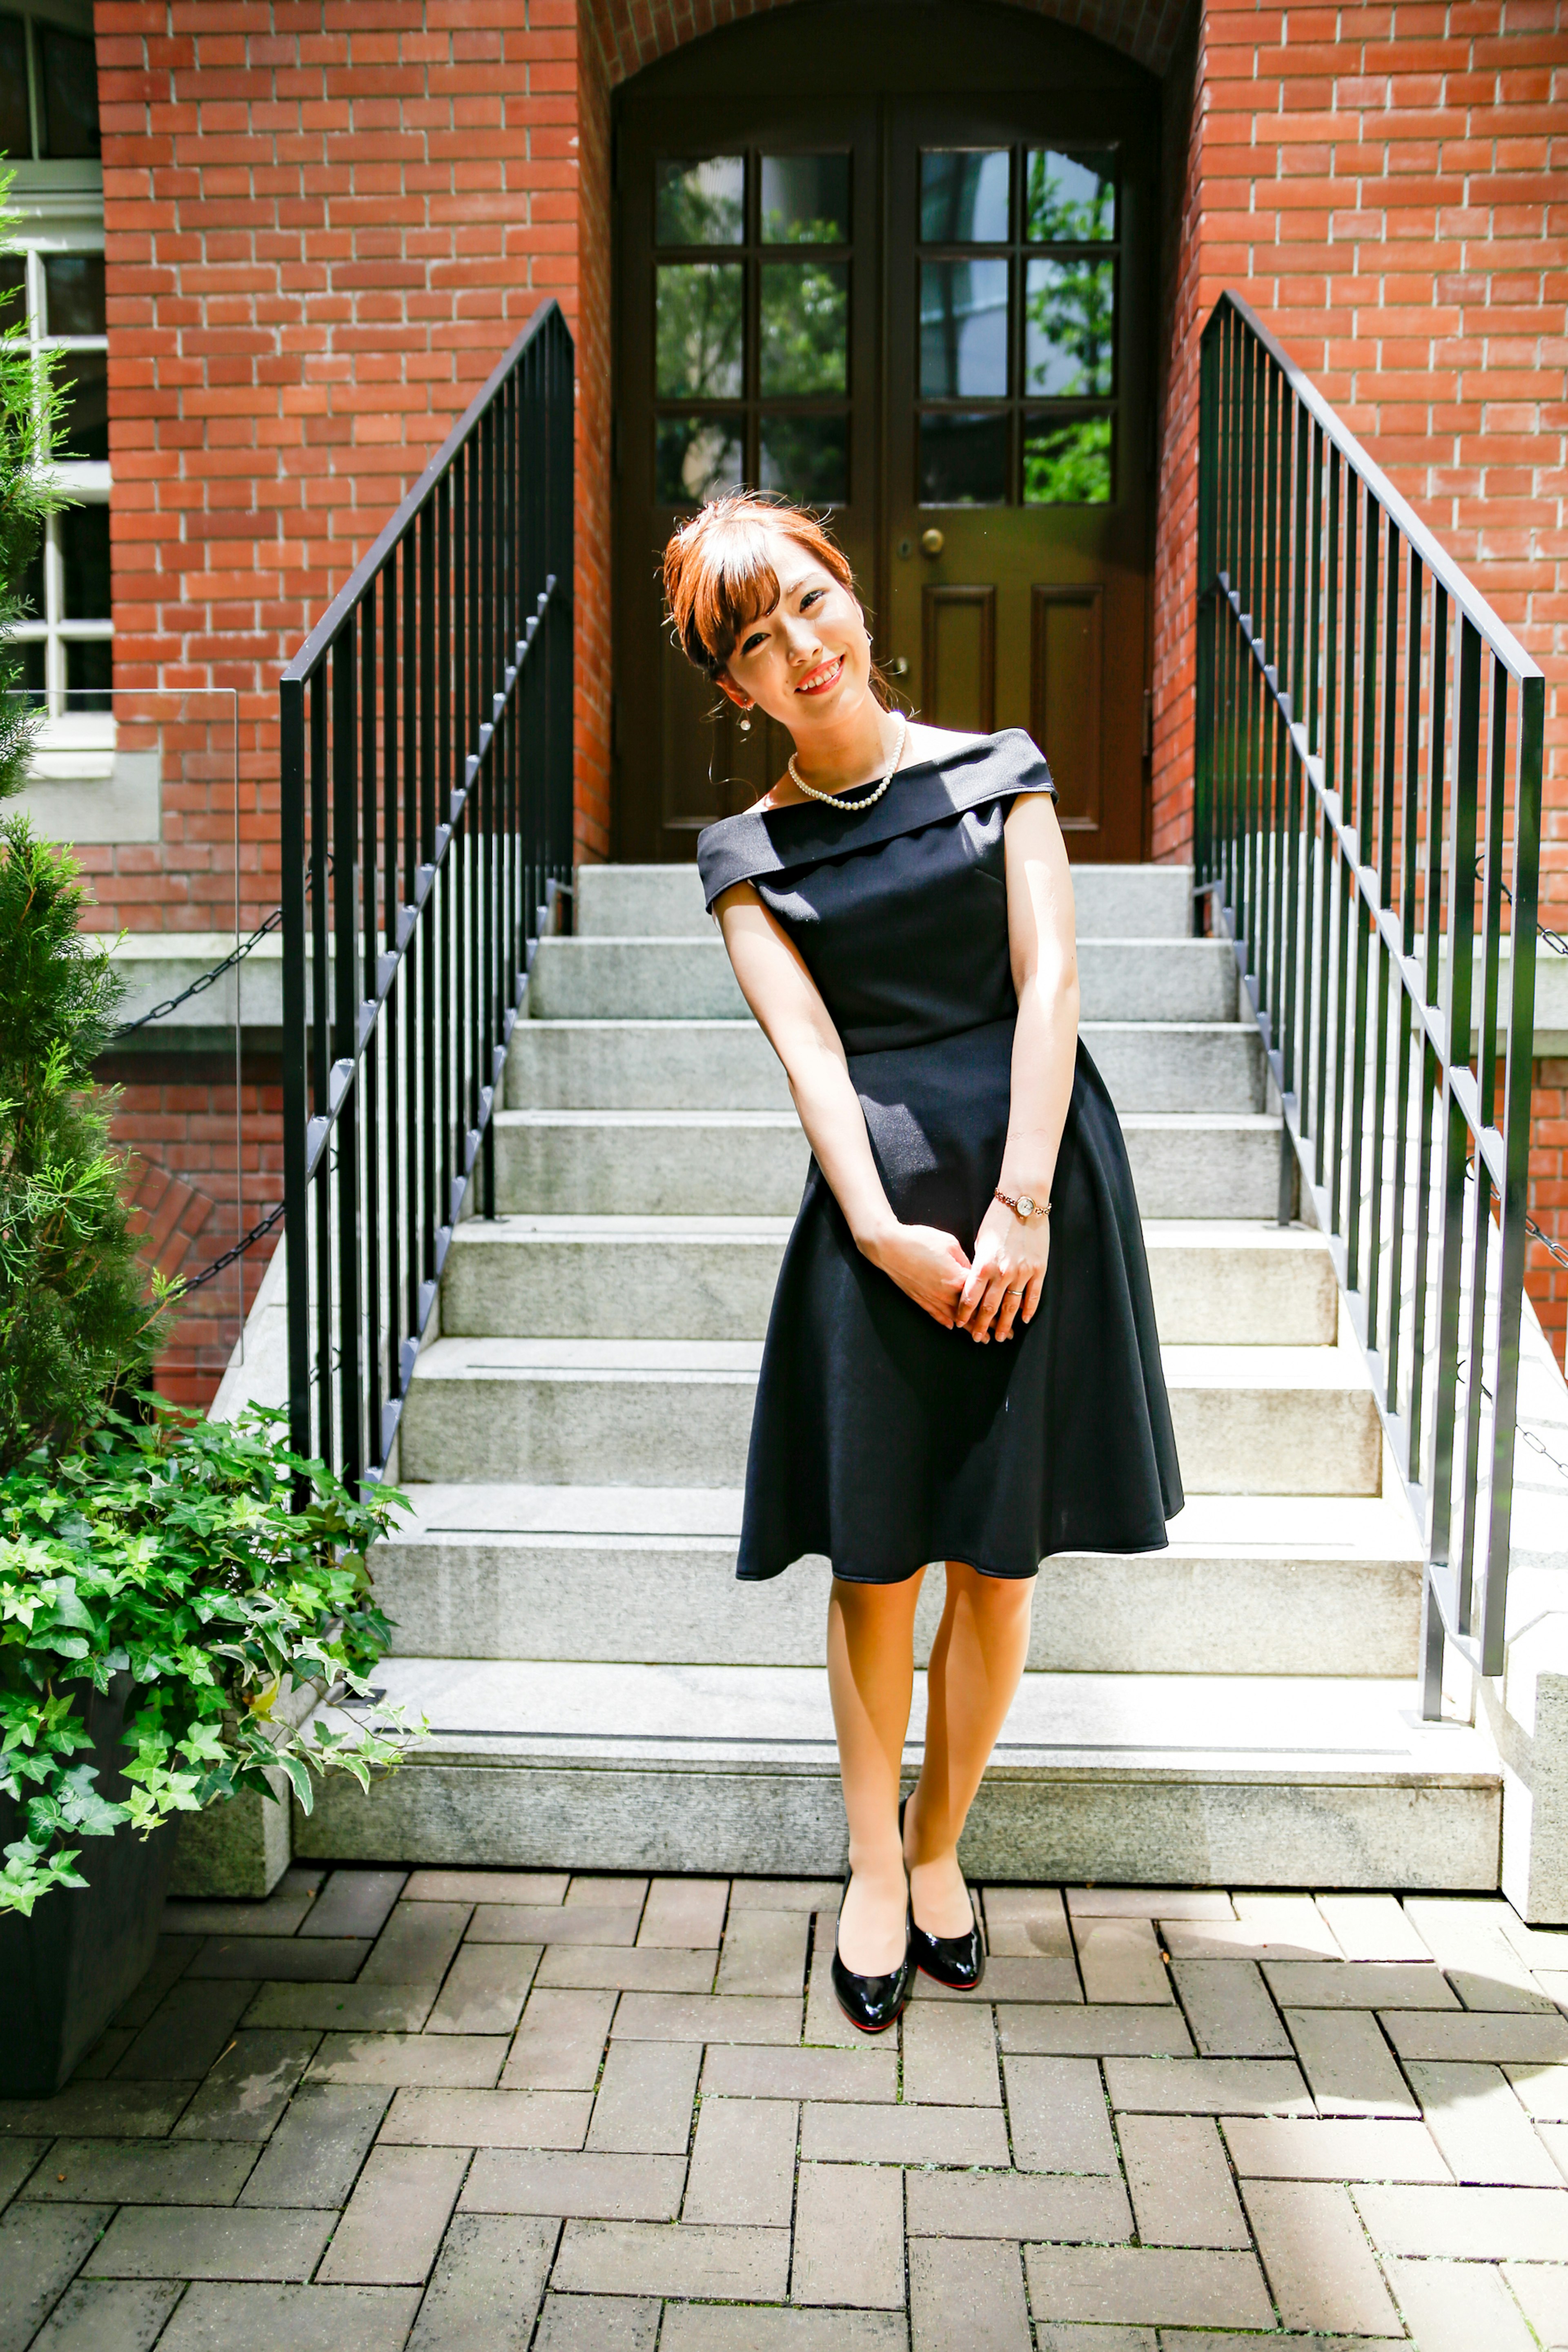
x,y
746,723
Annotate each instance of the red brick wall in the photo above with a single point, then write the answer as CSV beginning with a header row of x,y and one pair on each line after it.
x,y
1547,1280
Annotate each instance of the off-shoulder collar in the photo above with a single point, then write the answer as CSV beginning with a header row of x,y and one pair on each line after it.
x,y
806,832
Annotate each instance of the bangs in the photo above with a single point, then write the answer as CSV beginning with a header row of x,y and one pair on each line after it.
x,y
735,586
718,578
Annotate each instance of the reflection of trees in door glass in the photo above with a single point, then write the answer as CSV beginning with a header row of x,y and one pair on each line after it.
x,y
1069,328
806,199
805,318
1067,461
806,457
699,203
699,330
1070,199
963,330
695,457
963,195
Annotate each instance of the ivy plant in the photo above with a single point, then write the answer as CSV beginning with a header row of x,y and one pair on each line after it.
x,y
204,1570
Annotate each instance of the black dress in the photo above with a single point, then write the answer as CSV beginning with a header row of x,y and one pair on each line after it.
x,y
880,1438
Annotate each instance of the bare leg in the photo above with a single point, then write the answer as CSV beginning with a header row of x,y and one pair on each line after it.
x,y
870,1674
976,1660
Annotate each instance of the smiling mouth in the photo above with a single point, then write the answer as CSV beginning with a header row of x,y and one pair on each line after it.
x,y
822,678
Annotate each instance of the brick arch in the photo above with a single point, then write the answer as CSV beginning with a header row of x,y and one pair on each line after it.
x,y
633,33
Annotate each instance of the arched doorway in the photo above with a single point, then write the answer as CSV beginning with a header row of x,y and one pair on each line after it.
x,y
898,260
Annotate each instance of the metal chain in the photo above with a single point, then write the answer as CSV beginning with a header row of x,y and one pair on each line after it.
x,y
220,1264
1554,939
207,980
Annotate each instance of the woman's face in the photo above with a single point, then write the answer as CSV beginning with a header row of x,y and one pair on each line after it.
x,y
808,662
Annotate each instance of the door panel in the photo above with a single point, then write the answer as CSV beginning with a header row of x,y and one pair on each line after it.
x,y
1066,696
959,658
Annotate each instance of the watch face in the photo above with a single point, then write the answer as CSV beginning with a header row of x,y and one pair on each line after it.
x,y
1025,1206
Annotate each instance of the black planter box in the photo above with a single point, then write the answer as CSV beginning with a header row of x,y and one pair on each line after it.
x,y
65,1972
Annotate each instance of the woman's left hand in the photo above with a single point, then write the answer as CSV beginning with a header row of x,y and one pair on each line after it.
x,y
1007,1275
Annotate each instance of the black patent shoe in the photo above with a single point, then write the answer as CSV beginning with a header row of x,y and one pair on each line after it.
x,y
873,2003
958,1961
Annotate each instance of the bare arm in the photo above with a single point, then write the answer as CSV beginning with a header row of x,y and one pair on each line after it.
x,y
923,1261
1009,1255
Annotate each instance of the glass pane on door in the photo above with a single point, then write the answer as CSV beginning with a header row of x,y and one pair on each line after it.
x,y
963,330
700,203
699,330
1067,461
806,457
806,199
695,457
963,195
804,320
1069,329
1070,199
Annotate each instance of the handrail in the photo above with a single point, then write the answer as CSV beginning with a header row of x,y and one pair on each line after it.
x,y
1369,752
427,834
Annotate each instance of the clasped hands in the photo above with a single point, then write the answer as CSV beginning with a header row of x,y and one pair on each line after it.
x,y
991,1295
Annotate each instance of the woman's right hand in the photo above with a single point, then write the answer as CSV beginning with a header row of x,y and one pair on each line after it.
x,y
928,1266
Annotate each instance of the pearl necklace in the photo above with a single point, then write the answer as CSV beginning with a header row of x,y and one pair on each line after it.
x,y
835,800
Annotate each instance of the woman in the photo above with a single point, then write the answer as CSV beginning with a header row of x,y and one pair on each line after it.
x,y
938,1382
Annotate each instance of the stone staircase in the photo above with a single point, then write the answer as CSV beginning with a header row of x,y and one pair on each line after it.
x,y
1239,1709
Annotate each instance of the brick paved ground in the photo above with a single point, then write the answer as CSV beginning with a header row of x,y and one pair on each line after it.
x,y
490,2109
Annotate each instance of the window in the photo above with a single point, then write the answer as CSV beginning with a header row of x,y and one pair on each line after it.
x,y
53,276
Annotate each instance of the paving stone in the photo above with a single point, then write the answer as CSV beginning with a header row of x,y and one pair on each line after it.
x,y
1153,2286
186,2032
1317,2258
1267,2147
105,2054
41,2249
1009,1979
1537,1947
416,1944
742,2162
599,2323
302,2318
1372,1927
949,2056
209,2241
1062,2336
141,2172
1229,2010
1058,2110
108,2316
393,2224
172,1957
1458,2306
1180,2339
1119,1960
486,2285
1542,2289
786,1894
1302,1937
1148,1903
560,2043
752,2073
1058,2030
464,2061
1183,2193
1555,2136
443,2119
322,1960
1466,1935
709,2328
314,2155
646,2095
113,2110
826,2023
966,2295
1026,1921
1348,2063
554,1922
1359,1984
849,2236
731,2265
485,1989
1495,2039
1017,2205
343,2008
1477,2225
1553,1983
17,2158
686,1913
568,1967
764,1952
605,2188
281,1914
485,1886
1543,2090
355,1903
1486,2136
706,2017
904,2135
249,2087
1206,2086
596,1889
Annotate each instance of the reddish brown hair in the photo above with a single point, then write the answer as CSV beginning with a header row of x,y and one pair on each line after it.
x,y
717,575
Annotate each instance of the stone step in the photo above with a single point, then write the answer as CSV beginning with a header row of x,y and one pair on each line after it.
x,y
712,1278
603,978
1167,1066
1199,1779
661,1413
665,901
1292,1585
715,1163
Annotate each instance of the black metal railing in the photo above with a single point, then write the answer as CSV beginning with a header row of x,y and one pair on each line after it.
x,y
1369,765
427,829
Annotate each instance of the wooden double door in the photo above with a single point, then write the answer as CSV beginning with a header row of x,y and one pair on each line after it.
x,y
917,297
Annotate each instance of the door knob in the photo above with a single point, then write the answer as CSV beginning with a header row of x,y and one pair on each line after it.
x,y
933,541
